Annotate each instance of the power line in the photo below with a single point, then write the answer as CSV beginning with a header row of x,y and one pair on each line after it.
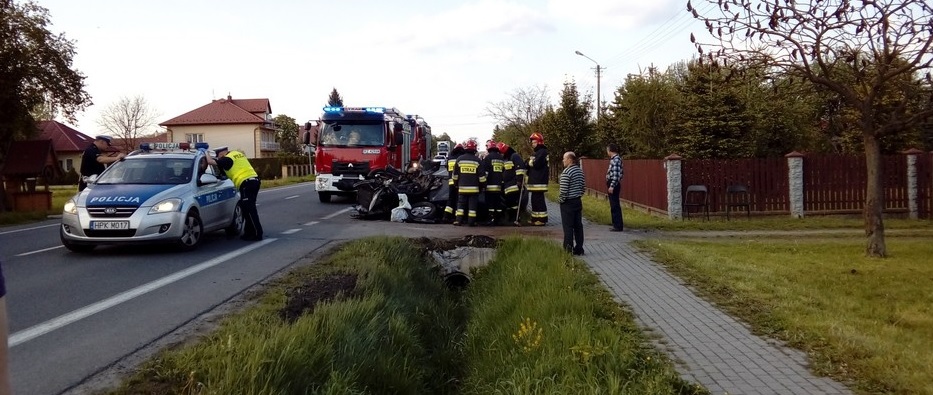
x,y
674,25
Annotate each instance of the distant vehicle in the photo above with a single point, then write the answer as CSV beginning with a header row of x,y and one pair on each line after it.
x,y
443,148
161,193
354,143
440,160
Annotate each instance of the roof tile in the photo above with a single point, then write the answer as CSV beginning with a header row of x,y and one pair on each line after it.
x,y
223,111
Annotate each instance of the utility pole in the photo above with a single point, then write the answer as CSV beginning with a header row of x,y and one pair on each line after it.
x,y
599,69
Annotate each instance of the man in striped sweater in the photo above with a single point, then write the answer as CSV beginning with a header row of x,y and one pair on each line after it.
x,y
571,205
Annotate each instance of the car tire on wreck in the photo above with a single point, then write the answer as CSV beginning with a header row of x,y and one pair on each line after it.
x,y
423,212
193,230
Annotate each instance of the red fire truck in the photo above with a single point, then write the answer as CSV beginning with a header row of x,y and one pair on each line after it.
x,y
352,143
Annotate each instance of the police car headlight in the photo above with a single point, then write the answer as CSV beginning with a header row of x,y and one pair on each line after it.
x,y
165,206
71,207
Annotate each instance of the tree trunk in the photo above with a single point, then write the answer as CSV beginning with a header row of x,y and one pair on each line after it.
x,y
874,199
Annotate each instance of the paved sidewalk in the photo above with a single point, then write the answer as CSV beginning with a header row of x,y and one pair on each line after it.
x,y
708,346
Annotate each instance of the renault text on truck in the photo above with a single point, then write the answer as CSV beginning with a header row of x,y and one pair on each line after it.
x,y
353,143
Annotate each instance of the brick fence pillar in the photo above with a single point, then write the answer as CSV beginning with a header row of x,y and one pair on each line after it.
x,y
795,183
913,206
674,186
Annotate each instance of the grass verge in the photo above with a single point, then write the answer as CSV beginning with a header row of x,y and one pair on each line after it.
x,y
535,321
596,209
394,335
541,323
860,319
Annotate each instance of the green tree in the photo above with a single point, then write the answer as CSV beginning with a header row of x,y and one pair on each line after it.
x,y
334,100
287,135
35,73
643,115
714,121
570,127
875,42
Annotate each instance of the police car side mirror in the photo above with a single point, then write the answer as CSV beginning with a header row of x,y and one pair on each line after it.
x,y
207,179
92,178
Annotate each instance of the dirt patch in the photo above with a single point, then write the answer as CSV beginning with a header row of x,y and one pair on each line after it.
x,y
429,244
303,299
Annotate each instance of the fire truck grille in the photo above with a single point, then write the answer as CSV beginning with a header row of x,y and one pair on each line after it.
x,y
350,168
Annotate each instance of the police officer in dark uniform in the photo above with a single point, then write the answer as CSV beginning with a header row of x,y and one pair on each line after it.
x,y
469,175
93,161
494,167
452,201
538,175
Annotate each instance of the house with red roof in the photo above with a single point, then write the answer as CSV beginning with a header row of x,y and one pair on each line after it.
x,y
68,144
244,125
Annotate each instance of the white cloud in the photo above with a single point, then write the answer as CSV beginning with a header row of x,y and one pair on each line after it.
x,y
616,14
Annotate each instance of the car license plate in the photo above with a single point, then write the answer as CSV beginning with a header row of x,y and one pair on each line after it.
x,y
110,225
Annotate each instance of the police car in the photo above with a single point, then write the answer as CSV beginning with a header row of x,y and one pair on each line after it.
x,y
161,193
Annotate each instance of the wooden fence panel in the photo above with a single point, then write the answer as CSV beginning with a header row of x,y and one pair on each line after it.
x,y
644,182
837,183
766,179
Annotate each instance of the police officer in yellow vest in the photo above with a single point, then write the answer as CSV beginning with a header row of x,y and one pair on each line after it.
x,y
238,169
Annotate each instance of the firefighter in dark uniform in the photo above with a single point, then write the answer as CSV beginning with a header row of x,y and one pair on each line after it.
x,y
469,175
513,174
494,166
452,184
538,175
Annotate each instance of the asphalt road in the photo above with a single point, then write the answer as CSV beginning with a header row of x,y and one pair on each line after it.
x,y
73,315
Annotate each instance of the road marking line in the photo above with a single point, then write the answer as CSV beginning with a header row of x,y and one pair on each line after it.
x,y
89,310
38,251
32,228
292,197
338,213
290,231
311,223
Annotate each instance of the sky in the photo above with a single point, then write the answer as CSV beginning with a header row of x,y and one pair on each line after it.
x,y
446,61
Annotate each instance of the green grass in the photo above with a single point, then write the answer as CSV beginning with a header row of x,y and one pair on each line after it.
x,y
278,182
862,319
541,323
597,210
395,337
401,331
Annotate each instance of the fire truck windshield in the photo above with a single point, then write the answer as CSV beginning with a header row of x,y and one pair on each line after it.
x,y
353,135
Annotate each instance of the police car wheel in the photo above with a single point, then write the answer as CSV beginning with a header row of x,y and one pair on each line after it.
x,y
76,247
236,226
192,230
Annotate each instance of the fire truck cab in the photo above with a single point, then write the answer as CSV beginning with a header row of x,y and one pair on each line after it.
x,y
353,143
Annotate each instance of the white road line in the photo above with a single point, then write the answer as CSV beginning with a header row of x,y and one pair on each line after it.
x,y
38,251
277,189
311,223
338,213
292,197
32,228
89,310
290,231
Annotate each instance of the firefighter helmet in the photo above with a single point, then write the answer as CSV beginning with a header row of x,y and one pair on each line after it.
x,y
458,146
491,145
470,145
537,137
503,147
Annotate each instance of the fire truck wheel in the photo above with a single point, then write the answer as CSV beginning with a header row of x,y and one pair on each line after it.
x,y
324,196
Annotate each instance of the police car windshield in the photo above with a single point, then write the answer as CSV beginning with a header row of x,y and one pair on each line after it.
x,y
353,135
152,170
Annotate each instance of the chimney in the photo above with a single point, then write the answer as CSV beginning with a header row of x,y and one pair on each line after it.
x,y
229,97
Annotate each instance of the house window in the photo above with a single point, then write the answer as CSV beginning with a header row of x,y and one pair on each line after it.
x,y
194,137
69,164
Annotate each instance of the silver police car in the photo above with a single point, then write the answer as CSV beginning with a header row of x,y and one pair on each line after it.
x,y
161,193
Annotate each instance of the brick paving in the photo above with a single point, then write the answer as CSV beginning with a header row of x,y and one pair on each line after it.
x,y
708,346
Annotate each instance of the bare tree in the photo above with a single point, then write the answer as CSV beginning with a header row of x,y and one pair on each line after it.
x,y
129,119
521,108
867,52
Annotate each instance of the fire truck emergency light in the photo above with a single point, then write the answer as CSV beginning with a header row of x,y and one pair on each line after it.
x,y
376,110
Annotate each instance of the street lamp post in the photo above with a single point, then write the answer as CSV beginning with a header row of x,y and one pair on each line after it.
x,y
599,110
